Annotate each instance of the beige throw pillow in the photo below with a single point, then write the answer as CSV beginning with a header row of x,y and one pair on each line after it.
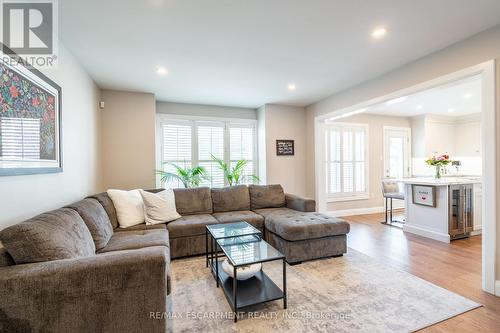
x,y
159,207
129,207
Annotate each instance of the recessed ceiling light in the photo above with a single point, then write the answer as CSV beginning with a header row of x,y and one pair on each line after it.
x,y
161,71
292,87
397,100
379,33
419,107
468,95
451,110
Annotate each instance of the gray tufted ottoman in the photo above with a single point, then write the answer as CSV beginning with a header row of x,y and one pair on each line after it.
x,y
305,236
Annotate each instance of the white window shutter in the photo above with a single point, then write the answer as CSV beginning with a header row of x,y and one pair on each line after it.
x,y
346,160
177,149
241,147
211,142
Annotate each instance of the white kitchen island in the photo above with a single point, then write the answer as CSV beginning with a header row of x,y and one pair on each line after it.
x,y
434,222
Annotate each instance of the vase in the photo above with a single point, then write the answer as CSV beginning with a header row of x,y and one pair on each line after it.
x,y
438,171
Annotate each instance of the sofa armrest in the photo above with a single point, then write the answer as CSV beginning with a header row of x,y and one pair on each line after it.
x,y
299,203
115,291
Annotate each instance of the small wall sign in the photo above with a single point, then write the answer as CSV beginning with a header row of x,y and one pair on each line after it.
x,y
424,195
285,148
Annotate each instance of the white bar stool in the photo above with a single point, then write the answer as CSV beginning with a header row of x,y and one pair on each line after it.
x,y
390,191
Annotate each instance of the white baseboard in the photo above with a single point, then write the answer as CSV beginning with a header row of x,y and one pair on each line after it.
x,y
427,233
357,211
497,287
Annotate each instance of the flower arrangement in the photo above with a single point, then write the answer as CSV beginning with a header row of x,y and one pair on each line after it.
x,y
438,161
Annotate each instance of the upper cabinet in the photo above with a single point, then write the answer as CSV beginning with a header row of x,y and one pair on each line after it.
x,y
460,137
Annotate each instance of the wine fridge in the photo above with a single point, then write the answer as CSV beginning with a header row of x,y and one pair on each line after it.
x,y
461,214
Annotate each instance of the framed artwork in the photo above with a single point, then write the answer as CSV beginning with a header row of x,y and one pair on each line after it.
x,y
285,148
30,119
424,195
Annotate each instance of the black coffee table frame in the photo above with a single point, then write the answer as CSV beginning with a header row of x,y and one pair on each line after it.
x,y
256,290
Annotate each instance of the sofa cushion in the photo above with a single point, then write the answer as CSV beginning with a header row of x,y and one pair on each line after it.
x,y
266,212
191,201
59,234
96,219
266,196
108,206
142,226
303,226
243,215
231,198
136,239
190,225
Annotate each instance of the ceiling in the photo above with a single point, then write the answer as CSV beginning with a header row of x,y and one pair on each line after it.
x,y
456,99
246,53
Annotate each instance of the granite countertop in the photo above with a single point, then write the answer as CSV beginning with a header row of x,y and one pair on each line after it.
x,y
444,181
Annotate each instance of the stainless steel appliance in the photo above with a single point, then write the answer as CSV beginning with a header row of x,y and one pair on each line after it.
x,y
461,215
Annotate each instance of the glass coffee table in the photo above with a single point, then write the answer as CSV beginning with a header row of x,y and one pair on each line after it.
x,y
242,245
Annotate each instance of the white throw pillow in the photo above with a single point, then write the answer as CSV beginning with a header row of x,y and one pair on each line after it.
x,y
159,207
129,207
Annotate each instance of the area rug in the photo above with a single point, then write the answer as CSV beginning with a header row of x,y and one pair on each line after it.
x,y
353,293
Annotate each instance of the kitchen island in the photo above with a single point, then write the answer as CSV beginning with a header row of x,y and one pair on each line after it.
x,y
441,209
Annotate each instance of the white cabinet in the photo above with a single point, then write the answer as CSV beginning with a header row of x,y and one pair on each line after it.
x,y
468,139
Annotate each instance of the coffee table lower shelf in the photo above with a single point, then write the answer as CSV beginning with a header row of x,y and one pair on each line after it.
x,y
256,290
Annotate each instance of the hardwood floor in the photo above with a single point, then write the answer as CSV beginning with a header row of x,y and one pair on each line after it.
x,y
455,266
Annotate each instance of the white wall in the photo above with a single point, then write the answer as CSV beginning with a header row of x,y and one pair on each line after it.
x,y
22,197
205,110
128,140
287,123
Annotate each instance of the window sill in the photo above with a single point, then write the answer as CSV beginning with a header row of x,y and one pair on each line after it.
x,y
349,198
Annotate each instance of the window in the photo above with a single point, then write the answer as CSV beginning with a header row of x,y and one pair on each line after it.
x,y
20,138
346,165
193,141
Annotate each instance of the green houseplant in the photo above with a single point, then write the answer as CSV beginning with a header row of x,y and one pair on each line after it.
x,y
189,177
234,176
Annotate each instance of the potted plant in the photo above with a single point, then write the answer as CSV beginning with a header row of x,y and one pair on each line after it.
x,y
189,177
438,161
234,175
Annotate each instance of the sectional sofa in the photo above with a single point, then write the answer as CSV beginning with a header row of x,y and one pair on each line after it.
x,y
75,270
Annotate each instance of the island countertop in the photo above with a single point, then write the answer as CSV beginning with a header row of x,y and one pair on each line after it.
x,y
444,181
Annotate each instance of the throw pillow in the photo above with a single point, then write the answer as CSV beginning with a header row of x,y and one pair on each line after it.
x,y
159,207
129,207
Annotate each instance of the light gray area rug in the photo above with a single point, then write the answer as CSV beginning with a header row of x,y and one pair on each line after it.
x,y
353,293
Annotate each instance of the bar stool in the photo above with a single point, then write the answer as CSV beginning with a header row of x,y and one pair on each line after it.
x,y
390,191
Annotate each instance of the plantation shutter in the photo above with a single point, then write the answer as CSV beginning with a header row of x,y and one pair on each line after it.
x,y
242,147
177,149
211,143
346,160
20,138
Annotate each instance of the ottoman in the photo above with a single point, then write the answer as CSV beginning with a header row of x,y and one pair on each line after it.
x,y
302,236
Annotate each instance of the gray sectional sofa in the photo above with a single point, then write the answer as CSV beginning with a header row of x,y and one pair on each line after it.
x,y
75,270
